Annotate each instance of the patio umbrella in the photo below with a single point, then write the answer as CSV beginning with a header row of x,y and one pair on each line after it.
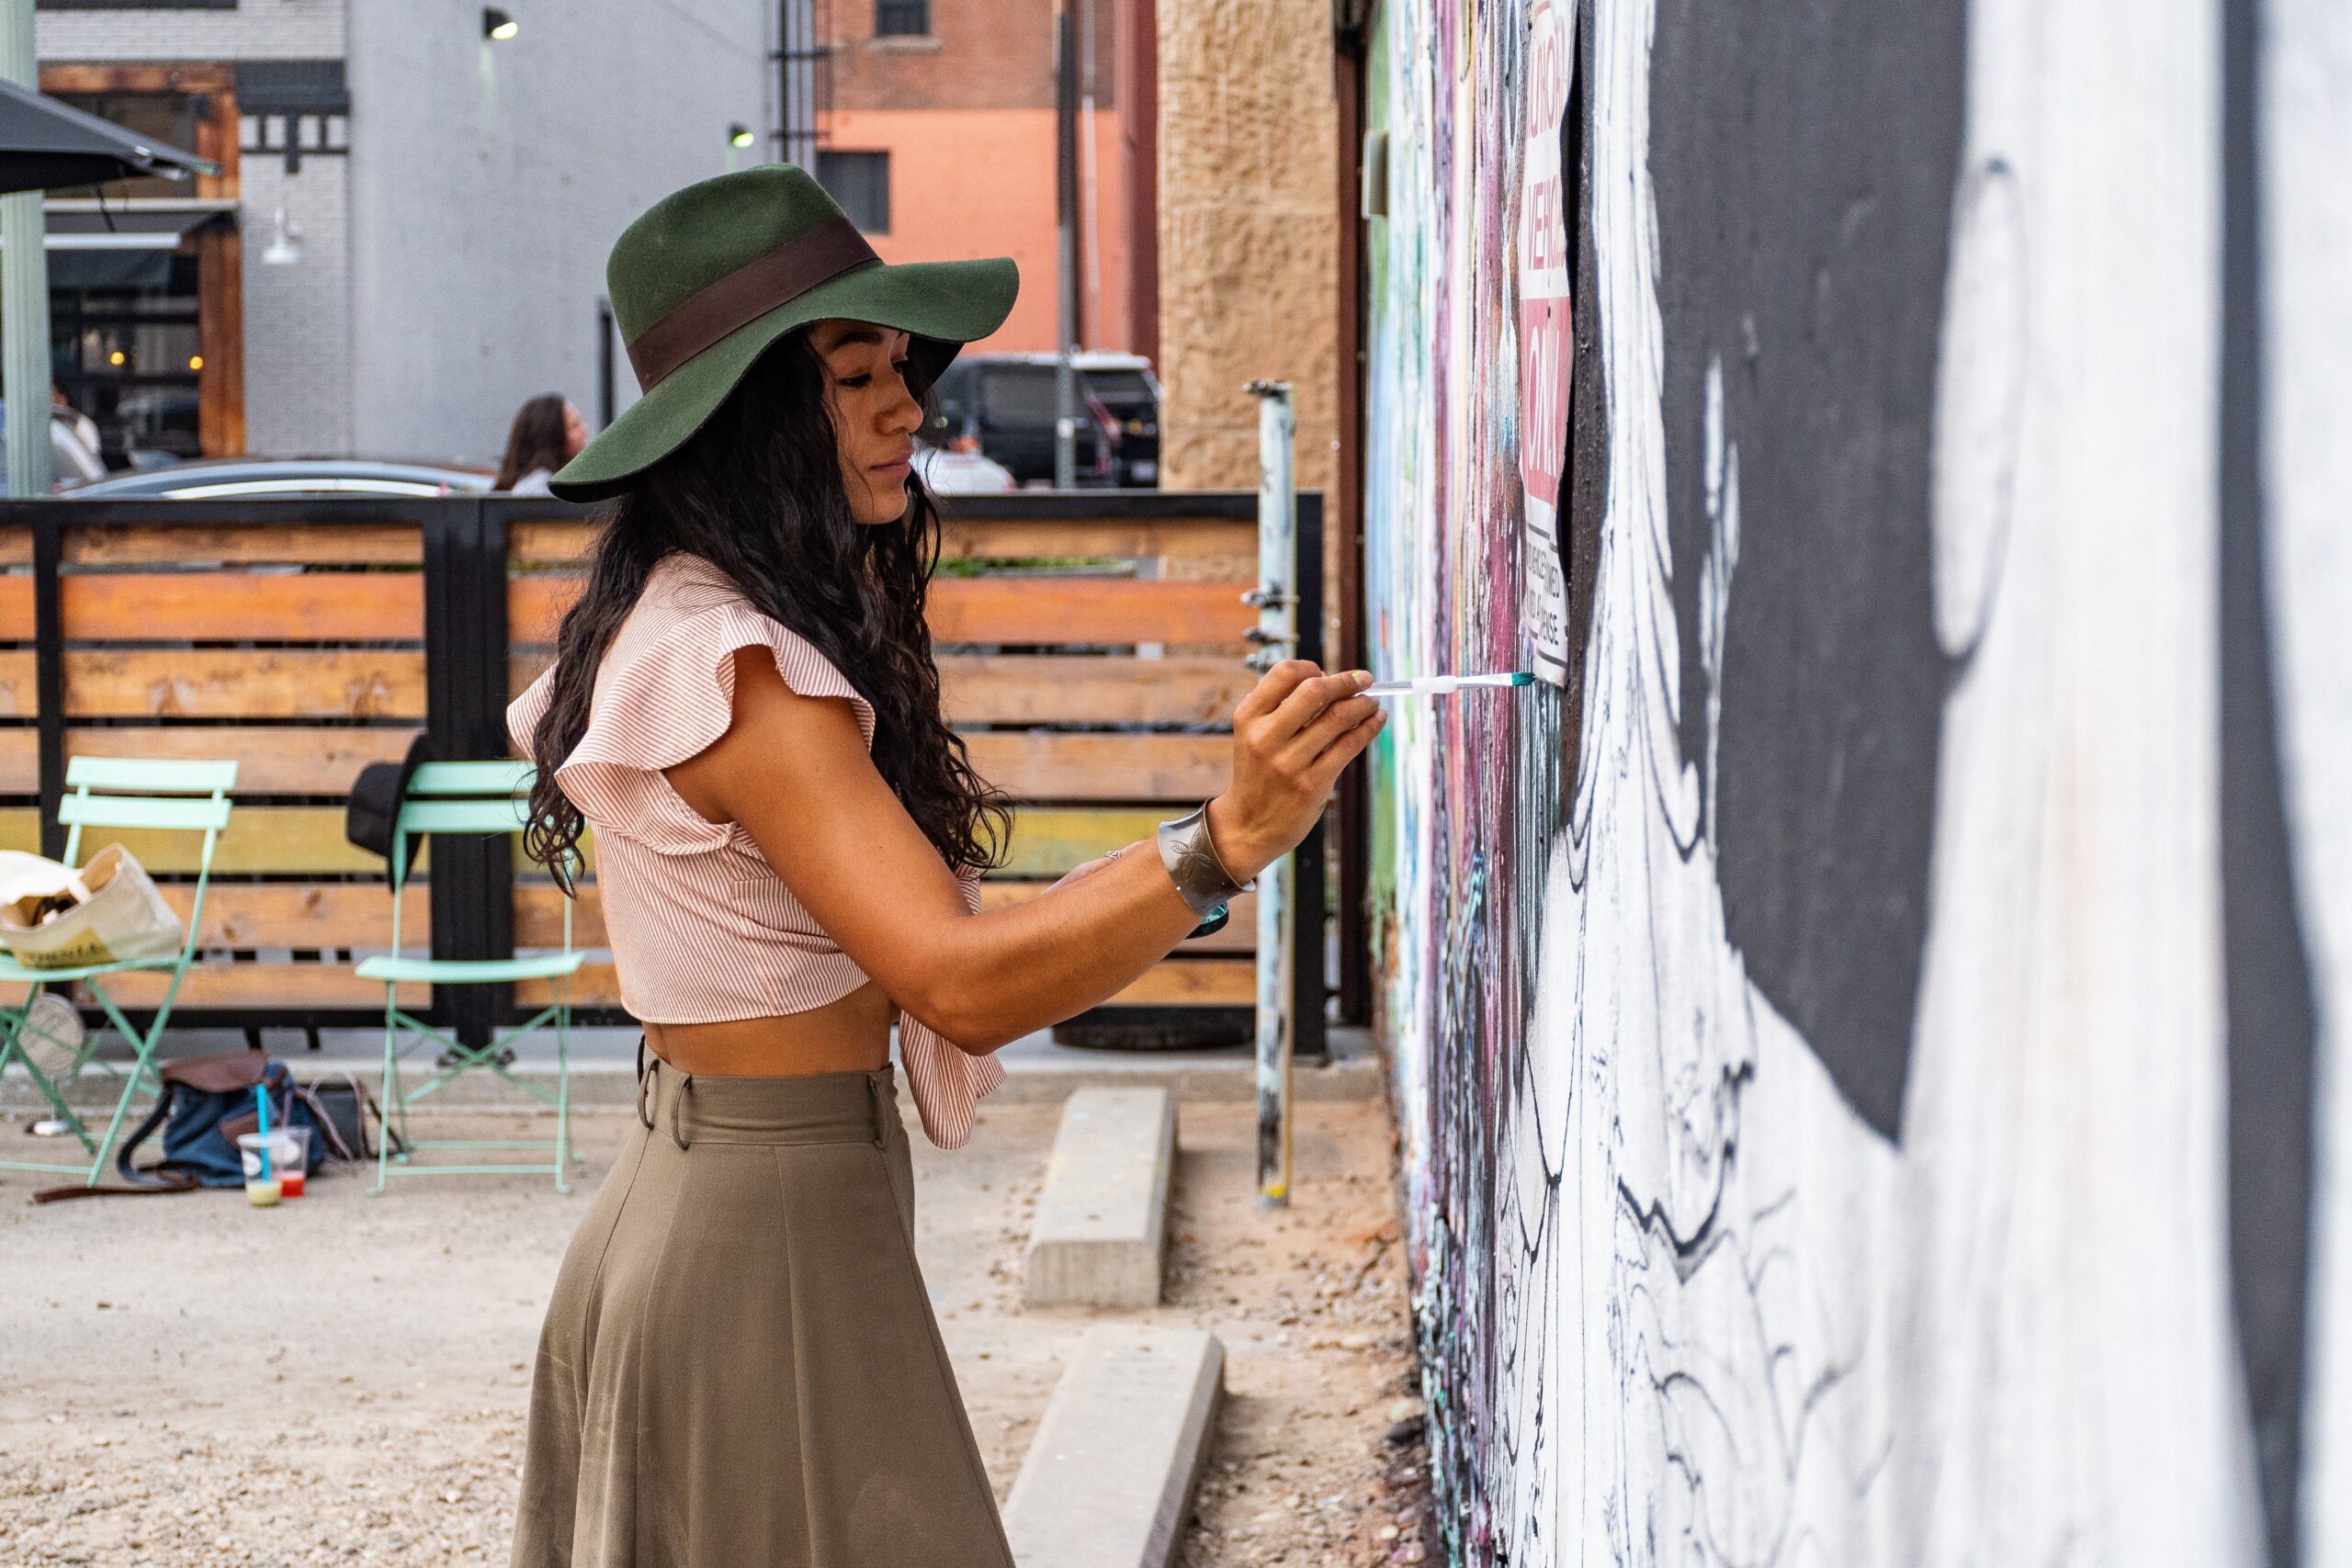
x,y
45,145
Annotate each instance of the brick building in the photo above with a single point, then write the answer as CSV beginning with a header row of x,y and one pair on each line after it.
x,y
448,202
938,133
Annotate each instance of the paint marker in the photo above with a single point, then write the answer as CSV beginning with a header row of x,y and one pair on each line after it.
x,y
1445,685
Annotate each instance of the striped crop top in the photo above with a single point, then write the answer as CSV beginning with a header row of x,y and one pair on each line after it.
x,y
702,929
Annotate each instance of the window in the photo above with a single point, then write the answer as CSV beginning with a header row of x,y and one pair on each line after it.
x,y
125,348
1022,395
861,183
901,19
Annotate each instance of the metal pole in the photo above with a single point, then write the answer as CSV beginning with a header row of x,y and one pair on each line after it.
x,y
1065,187
24,289
1277,636
606,402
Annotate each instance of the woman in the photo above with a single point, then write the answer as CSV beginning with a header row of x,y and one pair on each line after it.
x,y
740,1364
547,433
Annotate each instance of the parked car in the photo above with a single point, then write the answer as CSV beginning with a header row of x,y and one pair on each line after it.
x,y
224,479
1004,405
947,472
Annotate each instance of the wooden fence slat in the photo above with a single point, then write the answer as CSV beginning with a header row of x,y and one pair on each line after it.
x,y
1042,765
20,693
1086,610
262,987
1060,689
282,839
20,828
220,683
1187,539
249,544
270,760
1240,935
1049,840
17,607
556,542
1194,982
565,543
237,607
296,914
538,916
20,761
1179,982
1055,688
1002,610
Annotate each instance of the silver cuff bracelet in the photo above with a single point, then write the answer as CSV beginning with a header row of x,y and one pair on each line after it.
x,y
1191,859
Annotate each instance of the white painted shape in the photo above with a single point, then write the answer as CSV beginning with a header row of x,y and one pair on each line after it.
x,y
1979,398
2306,246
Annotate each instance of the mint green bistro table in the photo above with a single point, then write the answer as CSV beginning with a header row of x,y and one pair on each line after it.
x,y
469,798
119,791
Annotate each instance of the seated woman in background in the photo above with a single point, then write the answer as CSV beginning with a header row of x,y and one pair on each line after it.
x,y
547,433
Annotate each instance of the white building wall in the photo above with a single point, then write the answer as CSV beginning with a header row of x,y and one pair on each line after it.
x,y
254,30
298,317
489,181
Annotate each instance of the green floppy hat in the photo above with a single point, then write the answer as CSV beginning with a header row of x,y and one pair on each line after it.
x,y
713,274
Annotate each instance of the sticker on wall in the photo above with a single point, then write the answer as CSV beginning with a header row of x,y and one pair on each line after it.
x,y
1547,348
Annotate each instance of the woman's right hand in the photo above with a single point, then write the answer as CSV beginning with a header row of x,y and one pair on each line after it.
x,y
1291,736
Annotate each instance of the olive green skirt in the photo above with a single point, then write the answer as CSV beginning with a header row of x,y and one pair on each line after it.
x,y
739,1366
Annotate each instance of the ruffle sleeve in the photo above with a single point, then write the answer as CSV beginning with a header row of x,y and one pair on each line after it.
x,y
668,702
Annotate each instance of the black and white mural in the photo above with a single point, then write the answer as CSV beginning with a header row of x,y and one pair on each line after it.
x,y
1872,1049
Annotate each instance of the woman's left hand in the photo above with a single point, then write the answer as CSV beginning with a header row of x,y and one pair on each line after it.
x,y
1081,871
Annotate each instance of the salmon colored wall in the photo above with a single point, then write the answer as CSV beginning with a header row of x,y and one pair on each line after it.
x,y
980,182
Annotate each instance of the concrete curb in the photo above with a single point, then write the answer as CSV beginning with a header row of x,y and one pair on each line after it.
x,y
1102,1216
1110,1475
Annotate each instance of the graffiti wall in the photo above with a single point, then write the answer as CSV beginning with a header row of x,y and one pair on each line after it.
x,y
1871,1041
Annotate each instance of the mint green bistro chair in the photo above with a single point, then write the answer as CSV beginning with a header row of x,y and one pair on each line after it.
x,y
469,798
119,791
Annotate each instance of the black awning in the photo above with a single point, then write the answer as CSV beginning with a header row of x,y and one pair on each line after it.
x,y
108,269
45,145
121,248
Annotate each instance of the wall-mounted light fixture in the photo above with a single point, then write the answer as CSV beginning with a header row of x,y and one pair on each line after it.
x,y
285,247
496,25
739,136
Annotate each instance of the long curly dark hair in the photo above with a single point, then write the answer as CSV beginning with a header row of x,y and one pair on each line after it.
x,y
757,492
534,441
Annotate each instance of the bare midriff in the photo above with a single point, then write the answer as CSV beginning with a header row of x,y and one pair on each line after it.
x,y
850,1035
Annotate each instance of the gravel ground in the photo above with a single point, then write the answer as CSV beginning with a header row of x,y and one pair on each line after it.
x,y
188,1382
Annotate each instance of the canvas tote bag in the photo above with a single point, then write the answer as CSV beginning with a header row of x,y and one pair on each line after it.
x,y
112,911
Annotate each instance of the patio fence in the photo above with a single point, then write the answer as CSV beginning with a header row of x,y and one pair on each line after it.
x,y
1090,644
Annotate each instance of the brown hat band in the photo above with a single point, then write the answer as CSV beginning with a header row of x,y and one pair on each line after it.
x,y
746,294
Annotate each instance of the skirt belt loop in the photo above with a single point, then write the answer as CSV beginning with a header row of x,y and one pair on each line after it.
x,y
677,1105
874,1093
644,1118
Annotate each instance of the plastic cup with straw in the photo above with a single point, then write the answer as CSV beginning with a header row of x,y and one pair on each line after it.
x,y
262,1192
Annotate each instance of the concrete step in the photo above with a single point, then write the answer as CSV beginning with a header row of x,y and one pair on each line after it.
x,y
1109,1477
1102,1222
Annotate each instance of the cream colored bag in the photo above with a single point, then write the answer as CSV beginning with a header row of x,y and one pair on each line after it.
x,y
117,913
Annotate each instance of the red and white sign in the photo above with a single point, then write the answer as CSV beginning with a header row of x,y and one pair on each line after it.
x,y
1546,347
